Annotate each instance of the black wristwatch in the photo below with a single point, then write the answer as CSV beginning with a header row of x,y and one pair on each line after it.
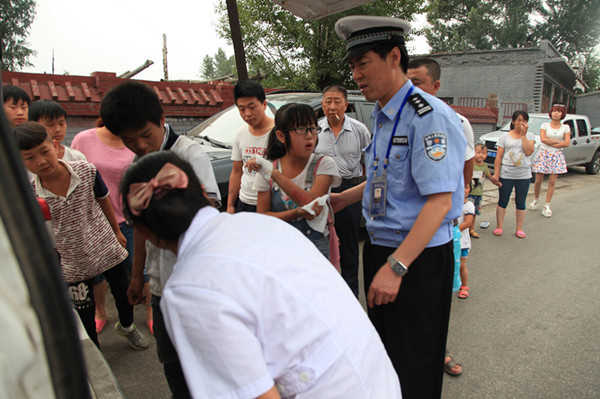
x,y
397,266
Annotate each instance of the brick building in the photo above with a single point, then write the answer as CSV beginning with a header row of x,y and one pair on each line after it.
x,y
530,78
185,103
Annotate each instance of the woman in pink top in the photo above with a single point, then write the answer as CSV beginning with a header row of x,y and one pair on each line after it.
x,y
110,156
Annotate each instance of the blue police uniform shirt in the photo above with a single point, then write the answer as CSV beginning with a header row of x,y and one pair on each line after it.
x,y
426,157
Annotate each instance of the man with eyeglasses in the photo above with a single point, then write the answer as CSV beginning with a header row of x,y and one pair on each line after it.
x,y
344,138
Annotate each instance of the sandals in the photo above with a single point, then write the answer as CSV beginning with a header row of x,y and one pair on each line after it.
x,y
521,234
473,234
451,364
463,292
498,232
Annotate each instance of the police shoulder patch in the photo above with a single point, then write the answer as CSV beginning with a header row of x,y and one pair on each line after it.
x,y
420,105
435,145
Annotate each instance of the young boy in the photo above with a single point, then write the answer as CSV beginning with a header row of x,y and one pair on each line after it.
x,y
54,118
480,172
134,112
16,104
464,222
249,141
88,238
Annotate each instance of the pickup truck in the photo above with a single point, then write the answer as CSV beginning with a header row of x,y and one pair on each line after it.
x,y
583,151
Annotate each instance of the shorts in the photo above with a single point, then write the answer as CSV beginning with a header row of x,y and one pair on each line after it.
x,y
464,252
476,200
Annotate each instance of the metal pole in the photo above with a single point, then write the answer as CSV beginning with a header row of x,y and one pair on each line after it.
x,y
236,38
165,67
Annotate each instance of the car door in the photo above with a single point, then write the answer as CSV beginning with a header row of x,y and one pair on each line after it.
x,y
573,154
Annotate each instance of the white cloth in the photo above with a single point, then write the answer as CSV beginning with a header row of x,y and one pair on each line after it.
x,y
245,147
72,155
266,167
327,166
245,314
465,236
468,131
320,221
347,148
159,262
554,134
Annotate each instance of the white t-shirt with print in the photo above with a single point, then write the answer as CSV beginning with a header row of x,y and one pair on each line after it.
x,y
465,237
246,146
554,134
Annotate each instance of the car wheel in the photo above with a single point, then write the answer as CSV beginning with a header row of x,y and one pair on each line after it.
x,y
593,167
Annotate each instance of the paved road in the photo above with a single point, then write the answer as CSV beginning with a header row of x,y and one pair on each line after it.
x,y
531,328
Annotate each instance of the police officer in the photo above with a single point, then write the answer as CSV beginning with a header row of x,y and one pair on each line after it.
x,y
414,190
343,138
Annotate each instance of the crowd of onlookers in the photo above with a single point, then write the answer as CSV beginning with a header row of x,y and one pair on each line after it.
x,y
242,302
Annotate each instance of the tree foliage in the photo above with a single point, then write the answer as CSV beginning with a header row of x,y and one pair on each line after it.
x,y
16,17
298,54
217,66
572,26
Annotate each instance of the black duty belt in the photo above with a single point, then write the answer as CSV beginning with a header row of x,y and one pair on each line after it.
x,y
353,181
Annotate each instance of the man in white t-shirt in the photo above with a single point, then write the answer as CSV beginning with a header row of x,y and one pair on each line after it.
x,y
249,141
425,74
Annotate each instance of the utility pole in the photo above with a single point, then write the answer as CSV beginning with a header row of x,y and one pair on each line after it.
x,y
165,65
236,38
52,61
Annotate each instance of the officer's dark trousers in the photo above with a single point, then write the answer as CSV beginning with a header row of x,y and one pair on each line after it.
x,y
414,327
347,226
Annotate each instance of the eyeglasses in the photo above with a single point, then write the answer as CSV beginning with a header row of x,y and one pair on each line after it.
x,y
302,131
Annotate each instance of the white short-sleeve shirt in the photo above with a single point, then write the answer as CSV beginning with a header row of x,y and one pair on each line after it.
x,y
249,311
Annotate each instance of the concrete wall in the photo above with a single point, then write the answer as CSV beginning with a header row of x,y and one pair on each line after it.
x,y
589,104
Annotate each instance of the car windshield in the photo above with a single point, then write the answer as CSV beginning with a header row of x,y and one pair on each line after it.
x,y
535,124
220,129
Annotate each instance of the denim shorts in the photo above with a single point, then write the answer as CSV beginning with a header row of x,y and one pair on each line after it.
x,y
476,200
464,252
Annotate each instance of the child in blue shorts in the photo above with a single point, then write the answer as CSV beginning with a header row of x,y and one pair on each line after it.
x,y
465,221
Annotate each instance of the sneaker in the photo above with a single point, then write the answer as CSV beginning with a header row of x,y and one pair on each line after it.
x,y
534,204
136,339
546,211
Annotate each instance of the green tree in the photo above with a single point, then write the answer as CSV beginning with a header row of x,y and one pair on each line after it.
x,y
223,65
299,54
207,71
572,26
16,17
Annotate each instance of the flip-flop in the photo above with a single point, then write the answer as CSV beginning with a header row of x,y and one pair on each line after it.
x,y
450,365
521,234
498,232
463,292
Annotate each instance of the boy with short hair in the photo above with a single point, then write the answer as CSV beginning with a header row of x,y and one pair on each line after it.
x,y
249,141
87,234
480,172
54,118
16,104
134,112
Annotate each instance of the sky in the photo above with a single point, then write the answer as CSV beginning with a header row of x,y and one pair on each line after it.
x,y
120,35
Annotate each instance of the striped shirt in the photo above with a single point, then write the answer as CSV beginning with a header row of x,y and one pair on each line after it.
x,y
84,239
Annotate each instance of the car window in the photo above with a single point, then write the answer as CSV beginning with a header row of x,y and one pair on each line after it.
x,y
582,128
572,126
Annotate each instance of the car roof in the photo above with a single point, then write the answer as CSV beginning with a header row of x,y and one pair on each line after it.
x,y
304,96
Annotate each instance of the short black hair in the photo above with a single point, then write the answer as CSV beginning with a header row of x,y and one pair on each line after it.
x,y
249,88
338,89
47,109
30,134
288,117
433,67
384,49
129,107
170,215
15,93
480,145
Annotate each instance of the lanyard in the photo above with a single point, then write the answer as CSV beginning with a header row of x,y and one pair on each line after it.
x,y
387,155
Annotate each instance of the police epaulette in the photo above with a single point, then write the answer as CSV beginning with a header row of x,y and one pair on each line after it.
x,y
419,104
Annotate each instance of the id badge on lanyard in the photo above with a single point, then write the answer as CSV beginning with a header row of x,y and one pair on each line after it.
x,y
378,193
378,196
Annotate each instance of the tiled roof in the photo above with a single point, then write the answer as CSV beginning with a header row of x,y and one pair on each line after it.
x,y
476,115
81,95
